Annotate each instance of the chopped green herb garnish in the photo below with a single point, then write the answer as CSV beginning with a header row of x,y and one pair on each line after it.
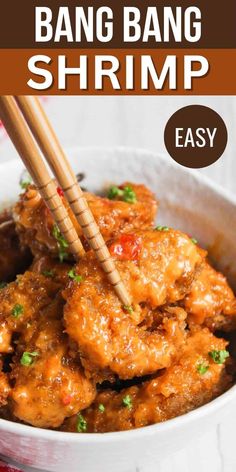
x,y
25,184
61,242
127,401
81,424
17,310
219,357
48,273
162,228
27,358
25,180
101,407
114,192
3,285
58,236
194,241
72,274
128,308
202,368
127,194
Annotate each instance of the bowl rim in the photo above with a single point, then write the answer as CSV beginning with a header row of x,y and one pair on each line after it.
x,y
157,428
147,431
228,195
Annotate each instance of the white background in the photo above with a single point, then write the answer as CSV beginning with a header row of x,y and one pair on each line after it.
x,y
139,122
134,121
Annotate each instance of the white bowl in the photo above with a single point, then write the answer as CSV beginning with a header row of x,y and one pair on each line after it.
x,y
188,201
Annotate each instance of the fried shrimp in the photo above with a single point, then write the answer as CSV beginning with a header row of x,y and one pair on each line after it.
x,y
72,356
157,268
49,383
36,229
211,301
21,302
194,379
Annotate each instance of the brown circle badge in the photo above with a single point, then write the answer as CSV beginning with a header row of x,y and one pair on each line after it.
x,y
195,136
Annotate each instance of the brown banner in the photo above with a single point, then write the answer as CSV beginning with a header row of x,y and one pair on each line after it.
x,y
15,74
17,23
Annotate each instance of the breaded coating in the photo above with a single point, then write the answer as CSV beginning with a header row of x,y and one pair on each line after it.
x,y
49,383
35,224
21,302
117,216
181,388
211,302
157,268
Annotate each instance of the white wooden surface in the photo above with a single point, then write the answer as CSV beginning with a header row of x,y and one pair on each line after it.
x,y
140,122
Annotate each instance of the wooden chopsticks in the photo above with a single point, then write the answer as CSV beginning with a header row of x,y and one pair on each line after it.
x,y
24,143
44,135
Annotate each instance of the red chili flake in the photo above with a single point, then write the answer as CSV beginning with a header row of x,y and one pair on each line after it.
x,y
127,247
60,192
66,400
